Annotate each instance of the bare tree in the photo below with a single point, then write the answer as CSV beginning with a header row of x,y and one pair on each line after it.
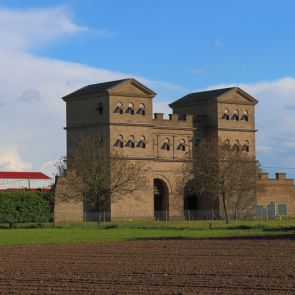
x,y
223,171
98,176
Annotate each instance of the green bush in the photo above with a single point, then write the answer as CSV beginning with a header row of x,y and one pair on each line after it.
x,y
25,207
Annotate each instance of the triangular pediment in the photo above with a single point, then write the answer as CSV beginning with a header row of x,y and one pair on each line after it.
x,y
237,96
131,87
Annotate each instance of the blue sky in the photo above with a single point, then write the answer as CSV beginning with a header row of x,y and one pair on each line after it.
x,y
50,48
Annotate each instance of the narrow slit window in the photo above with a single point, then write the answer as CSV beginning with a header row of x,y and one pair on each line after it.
x,y
100,108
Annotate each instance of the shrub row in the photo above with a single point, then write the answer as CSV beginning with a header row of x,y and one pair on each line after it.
x,y
26,207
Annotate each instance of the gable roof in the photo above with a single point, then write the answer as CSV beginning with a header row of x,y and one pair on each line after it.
x,y
103,88
209,95
22,175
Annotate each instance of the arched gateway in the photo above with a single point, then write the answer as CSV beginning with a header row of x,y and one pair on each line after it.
x,y
161,200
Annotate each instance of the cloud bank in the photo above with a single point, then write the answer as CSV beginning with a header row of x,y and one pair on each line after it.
x,y
32,114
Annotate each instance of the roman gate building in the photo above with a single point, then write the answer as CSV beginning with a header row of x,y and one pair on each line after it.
x,y
121,112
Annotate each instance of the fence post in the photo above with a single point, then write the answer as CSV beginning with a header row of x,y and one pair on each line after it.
x,y
189,218
104,217
66,219
166,212
287,219
85,218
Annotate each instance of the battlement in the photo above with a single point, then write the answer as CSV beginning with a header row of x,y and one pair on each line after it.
x,y
279,179
175,120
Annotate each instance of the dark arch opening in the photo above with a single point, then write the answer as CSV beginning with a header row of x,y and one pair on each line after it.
x,y
190,202
161,200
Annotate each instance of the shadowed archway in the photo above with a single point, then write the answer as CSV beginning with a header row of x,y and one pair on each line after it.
x,y
161,200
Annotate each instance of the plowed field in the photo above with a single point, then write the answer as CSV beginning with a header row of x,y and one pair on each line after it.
x,y
223,266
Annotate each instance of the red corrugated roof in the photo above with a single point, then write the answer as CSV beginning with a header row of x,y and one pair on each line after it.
x,y
23,175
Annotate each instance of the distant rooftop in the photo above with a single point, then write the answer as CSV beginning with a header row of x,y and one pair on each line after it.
x,y
202,96
94,88
22,175
105,87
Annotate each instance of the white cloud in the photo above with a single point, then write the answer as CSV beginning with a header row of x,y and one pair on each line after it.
x,y
10,160
24,29
32,114
264,149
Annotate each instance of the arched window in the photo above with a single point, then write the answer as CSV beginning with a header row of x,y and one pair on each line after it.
x,y
141,142
119,143
181,146
119,108
130,109
227,144
130,142
236,146
245,147
236,115
226,114
141,109
166,145
245,116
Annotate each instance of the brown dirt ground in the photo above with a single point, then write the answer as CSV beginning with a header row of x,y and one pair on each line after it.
x,y
217,266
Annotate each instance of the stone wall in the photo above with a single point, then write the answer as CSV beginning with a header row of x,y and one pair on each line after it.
x,y
279,190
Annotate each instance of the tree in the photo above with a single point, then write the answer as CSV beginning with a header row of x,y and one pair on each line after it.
x,y
98,176
223,171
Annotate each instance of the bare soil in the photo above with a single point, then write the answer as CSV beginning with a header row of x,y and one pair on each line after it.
x,y
217,266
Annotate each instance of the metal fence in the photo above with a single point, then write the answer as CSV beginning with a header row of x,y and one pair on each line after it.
x,y
259,214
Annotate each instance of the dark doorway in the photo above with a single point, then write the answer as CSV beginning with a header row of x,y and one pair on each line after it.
x,y
190,202
161,200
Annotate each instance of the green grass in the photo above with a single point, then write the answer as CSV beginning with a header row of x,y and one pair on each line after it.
x,y
132,230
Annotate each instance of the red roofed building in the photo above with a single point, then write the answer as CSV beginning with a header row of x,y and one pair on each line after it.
x,y
10,180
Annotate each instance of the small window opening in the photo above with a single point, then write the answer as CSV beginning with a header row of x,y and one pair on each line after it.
x,y
181,146
141,142
100,108
141,109
245,147
166,145
245,116
119,143
119,108
130,109
130,142
236,115
225,115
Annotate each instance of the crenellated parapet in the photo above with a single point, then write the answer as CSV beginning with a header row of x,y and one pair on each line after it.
x,y
174,121
280,179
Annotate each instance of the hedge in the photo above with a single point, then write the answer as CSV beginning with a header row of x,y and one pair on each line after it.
x,y
26,207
